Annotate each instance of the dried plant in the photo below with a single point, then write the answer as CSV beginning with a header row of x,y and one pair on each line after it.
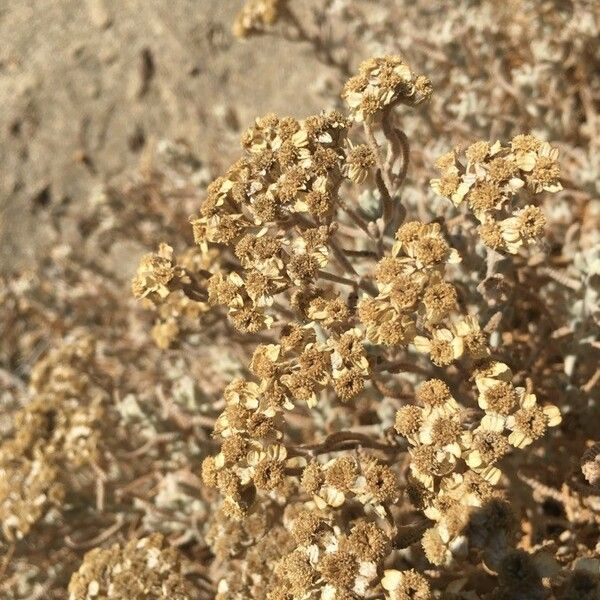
x,y
345,377
340,431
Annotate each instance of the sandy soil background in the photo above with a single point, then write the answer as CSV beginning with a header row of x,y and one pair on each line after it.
x,y
85,84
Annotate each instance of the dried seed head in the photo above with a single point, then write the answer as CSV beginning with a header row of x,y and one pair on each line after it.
x,y
478,486
525,143
442,353
312,478
262,363
545,171
431,250
248,320
306,527
339,568
440,299
491,235
389,269
445,430
234,448
484,197
296,569
501,170
315,363
433,393
342,473
409,232
501,398
229,484
448,184
531,222
368,542
293,336
303,267
477,152
320,204
424,459
359,162
491,446
268,475
531,422
408,420
382,483
349,384
260,426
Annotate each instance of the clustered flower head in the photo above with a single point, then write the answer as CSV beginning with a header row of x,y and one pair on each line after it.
x,y
414,297
494,180
176,288
58,429
142,568
273,209
453,463
381,84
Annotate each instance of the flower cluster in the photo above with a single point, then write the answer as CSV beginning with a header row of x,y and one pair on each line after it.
x,y
252,455
413,296
381,84
57,430
453,462
176,288
142,568
327,562
263,210
489,181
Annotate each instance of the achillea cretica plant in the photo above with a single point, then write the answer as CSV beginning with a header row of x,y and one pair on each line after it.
x,y
374,383
359,368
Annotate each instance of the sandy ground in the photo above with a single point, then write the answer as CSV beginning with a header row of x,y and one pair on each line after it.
x,y
85,84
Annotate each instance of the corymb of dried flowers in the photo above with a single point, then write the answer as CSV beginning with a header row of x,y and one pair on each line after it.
x,y
490,178
57,432
286,236
328,562
175,288
413,296
143,568
453,464
382,83
291,170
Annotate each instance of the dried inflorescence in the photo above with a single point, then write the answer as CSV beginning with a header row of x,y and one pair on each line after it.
x,y
381,84
492,181
144,568
59,429
176,289
350,305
